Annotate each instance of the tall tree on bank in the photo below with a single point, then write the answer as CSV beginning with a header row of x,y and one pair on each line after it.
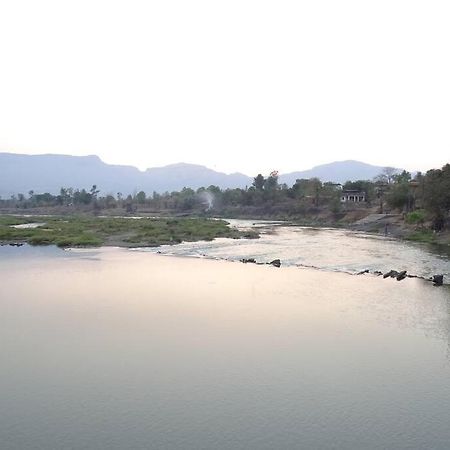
x,y
259,182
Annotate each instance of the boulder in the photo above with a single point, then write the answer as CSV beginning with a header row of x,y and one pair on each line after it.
x,y
401,276
391,273
438,280
363,272
275,262
248,260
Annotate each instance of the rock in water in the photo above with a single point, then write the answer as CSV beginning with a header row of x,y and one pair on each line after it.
x,y
275,262
248,260
438,280
401,276
391,273
363,272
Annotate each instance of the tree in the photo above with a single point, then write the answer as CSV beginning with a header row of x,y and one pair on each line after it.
x,y
82,197
386,176
94,191
436,198
110,201
316,186
65,195
271,183
300,188
141,197
404,177
259,182
129,208
214,189
400,193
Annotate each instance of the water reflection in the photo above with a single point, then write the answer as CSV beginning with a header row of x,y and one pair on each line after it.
x,y
116,349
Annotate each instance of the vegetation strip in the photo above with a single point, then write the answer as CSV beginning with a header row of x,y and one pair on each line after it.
x,y
90,231
400,205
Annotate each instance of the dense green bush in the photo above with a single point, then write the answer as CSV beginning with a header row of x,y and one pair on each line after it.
x,y
415,217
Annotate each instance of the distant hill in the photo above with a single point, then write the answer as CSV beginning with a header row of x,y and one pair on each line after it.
x,y
176,176
48,173
337,172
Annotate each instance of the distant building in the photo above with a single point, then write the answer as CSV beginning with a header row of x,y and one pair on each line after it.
x,y
353,196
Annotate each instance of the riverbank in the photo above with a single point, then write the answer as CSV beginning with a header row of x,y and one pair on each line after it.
x,y
395,226
363,219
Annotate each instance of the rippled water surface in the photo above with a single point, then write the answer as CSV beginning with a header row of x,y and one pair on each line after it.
x,y
118,349
329,249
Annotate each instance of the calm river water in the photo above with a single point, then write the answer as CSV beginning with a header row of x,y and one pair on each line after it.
x,y
119,349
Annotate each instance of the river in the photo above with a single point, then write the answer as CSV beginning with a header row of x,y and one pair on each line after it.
x,y
111,349
322,248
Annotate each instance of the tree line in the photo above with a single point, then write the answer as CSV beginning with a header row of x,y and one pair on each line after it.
x,y
428,193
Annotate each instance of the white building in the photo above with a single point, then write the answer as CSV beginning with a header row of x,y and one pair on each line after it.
x,y
353,196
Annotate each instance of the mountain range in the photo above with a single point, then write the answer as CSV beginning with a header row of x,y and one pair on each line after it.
x,y
48,173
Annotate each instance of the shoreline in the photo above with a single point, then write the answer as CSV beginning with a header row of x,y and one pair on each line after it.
x,y
424,236
397,228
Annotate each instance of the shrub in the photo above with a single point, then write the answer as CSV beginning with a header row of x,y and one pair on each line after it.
x,y
415,217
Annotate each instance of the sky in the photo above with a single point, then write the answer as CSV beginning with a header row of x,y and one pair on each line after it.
x,y
248,86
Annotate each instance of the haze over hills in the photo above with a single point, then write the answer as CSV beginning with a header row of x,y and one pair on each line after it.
x,y
338,172
176,176
48,173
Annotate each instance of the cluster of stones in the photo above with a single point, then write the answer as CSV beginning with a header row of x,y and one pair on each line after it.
x,y
437,280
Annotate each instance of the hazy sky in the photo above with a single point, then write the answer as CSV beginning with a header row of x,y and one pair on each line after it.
x,y
246,86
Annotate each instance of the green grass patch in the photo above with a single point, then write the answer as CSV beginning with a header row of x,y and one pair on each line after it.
x,y
14,220
415,217
88,231
424,235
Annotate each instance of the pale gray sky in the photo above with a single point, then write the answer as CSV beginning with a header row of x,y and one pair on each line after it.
x,y
246,86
